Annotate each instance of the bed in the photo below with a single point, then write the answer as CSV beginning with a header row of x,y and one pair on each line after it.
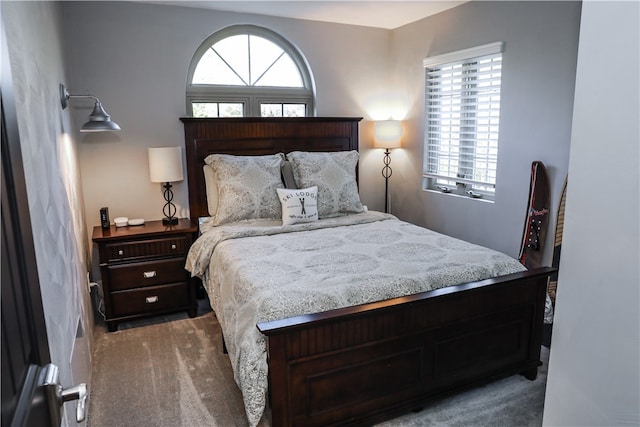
x,y
312,350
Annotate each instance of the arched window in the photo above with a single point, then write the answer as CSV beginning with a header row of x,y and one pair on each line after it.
x,y
250,71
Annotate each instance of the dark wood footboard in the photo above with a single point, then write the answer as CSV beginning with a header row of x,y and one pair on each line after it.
x,y
363,364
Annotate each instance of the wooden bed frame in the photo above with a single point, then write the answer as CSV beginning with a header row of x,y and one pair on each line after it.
x,y
364,364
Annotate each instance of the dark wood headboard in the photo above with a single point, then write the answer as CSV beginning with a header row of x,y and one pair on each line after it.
x,y
256,136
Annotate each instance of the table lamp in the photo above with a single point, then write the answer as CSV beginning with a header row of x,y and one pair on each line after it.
x,y
165,165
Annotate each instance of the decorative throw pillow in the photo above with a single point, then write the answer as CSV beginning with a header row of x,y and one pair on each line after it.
x,y
300,205
334,173
246,186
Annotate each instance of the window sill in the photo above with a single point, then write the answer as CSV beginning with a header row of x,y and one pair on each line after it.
x,y
460,196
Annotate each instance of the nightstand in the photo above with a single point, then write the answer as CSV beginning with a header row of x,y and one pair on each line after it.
x,y
143,271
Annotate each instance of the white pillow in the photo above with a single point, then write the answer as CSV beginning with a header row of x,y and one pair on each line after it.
x,y
299,205
245,187
287,175
211,188
334,173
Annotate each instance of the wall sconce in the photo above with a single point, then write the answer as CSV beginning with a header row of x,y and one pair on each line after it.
x,y
99,120
165,165
387,135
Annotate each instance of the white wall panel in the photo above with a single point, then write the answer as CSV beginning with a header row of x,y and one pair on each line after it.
x,y
594,366
54,190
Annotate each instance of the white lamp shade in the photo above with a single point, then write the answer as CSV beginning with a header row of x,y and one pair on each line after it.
x,y
387,134
165,164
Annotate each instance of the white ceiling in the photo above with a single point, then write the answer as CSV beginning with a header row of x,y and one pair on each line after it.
x,y
376,13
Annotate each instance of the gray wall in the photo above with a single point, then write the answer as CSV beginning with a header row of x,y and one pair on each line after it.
x,y
539,62
138,68
135,57
54,190
594,367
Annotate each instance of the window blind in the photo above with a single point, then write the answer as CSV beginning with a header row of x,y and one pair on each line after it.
x,y
462,108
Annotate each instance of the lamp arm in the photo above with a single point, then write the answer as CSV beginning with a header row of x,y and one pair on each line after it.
x,y
83,96
65,96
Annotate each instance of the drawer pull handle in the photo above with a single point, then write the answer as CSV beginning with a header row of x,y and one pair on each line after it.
x,y
149,274
173,246
151,300
120,252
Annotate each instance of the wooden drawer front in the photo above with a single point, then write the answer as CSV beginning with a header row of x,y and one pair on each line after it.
x,y
147,248
141,274
148,300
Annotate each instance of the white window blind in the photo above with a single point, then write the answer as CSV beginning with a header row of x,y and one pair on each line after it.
x,y
462,120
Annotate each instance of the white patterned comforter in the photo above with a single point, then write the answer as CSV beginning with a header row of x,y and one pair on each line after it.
x,y
259,270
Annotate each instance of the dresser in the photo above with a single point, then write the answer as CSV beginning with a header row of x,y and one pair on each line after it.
x,y
142,270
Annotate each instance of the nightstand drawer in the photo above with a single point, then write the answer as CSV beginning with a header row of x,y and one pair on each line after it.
x,y
147,300
123,251
143,274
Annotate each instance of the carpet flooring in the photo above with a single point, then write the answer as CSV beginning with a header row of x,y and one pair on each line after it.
x,y
175,374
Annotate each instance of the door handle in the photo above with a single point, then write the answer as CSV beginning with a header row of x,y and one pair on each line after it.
x,y
79,393
57,395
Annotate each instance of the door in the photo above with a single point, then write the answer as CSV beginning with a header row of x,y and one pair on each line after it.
x,y
31,394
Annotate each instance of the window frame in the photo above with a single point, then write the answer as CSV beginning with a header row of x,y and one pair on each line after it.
x,y
462,186
251,96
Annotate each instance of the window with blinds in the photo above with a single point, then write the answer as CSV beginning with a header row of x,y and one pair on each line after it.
x,y
462,121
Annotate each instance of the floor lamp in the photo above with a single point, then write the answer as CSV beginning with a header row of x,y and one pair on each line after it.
x,y
387,135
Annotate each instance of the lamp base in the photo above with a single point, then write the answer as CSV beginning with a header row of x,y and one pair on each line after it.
x,y
169,209
170,221
386,173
